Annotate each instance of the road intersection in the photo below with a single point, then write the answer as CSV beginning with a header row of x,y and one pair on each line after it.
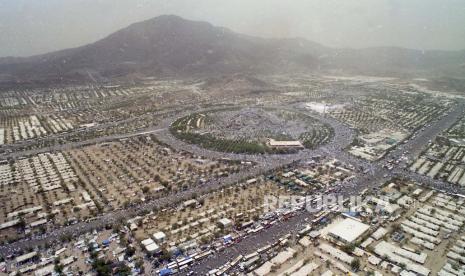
x,y
343,136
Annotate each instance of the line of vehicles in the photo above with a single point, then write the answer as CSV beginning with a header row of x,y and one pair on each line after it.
x,y
242,263
253,260
182,264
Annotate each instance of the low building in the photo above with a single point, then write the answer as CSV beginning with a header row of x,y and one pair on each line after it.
x,y
251,181
385,206
379,233
38,223
348,230
189,203
8,224
133,226
159,237
46,270
150,246
26,257
284,144
225,223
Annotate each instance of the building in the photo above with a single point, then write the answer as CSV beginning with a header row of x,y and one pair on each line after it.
x,y
190,203
38,223
26,257
284,144
150,246
225,223
379,233
159,237
46,270
133,226
9,224
348,230
251,181
385,206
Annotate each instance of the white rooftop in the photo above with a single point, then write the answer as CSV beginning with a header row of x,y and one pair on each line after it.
x,y
26,256
379,233
274,143
159,236
147,242
225,221
152,247
348,230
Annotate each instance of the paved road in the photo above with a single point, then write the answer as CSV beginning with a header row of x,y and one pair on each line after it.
x,y
268,236
375,178
71,145
416,145
264,164
343,136
20,149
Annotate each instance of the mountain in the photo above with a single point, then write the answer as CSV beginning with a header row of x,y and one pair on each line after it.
x,y
172,46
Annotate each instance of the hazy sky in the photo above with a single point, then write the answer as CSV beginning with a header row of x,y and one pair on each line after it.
x,y
30,27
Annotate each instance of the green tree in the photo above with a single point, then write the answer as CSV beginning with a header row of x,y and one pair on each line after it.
x,y
355,264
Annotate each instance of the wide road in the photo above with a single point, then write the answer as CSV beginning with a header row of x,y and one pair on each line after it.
x,y
343,136
268,236
264,164
30,147
426,134
71,145
375,178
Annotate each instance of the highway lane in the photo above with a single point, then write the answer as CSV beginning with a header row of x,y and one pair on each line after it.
x,y
264,164
375,178
19,149
423,137
342,138
167,201
71,145
268,236
252,243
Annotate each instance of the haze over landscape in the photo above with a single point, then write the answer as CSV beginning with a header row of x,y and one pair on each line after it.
x,y
37,27
168,45
214,137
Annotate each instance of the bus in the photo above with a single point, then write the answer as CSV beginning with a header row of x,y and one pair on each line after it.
x,y
236,260
263,249
305,230
250,264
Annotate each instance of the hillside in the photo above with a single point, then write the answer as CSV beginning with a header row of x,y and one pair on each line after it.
x,y
171,46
